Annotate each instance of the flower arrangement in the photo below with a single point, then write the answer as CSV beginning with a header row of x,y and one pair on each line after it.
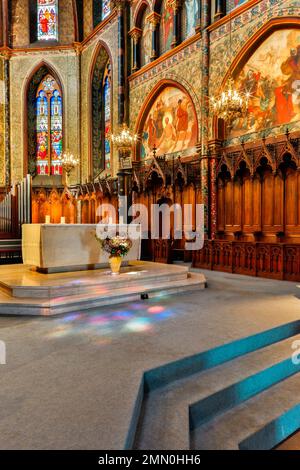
x,y
116,246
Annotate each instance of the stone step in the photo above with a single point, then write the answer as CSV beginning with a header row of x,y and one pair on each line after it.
x,y
33,306
29,284
164,421
255,424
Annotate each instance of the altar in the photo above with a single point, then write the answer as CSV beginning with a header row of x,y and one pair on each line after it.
x,y
51,248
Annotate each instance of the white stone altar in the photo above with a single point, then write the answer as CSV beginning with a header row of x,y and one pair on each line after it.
x,y
71,247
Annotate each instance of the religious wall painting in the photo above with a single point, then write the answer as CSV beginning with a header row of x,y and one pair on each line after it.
x,y
146,39
272,77
191,15
48,127
166,25
47,19
170,125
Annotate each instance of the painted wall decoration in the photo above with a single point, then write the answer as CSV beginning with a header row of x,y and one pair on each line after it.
x,y
191,16
166,26
232,4
146,39
272,76
48,127
47,20
170,125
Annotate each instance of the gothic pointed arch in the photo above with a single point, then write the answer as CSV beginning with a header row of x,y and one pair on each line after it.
x,y
277,110
167,122
43,122
101,111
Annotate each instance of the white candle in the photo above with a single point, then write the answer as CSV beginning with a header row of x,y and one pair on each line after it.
x,y
47,219
62,220
121,220
110,220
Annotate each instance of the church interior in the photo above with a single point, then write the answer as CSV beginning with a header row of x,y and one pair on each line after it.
x,y
150,224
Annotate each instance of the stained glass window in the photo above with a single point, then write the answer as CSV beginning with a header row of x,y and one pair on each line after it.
x,y
105,8
48,127
107,114
47,20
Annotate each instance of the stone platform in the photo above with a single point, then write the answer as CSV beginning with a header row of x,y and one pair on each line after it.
x,y
27,292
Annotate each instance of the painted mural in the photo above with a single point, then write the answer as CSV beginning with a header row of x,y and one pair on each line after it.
x,y
171,124
146,39
272,76
166,25
191,8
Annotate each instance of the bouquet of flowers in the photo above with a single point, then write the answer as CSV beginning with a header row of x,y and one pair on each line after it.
x,y
116,246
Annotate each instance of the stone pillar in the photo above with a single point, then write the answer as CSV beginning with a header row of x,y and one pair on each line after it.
x,y
119,4
154,19
5,25
220,10
135,34
214,149
204,155
176,27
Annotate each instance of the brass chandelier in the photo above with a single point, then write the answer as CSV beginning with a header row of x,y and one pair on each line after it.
x,y
230,104
68,163
124,139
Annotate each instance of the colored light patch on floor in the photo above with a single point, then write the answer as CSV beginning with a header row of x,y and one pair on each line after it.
x,y
103,326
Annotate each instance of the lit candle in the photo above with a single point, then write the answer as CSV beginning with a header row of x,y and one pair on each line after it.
x,y
110,220
121,220
62,220
47,219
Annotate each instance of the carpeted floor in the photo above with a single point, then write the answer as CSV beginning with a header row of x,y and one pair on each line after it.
x,y
70,382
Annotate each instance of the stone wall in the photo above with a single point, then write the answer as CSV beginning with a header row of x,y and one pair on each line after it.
x,y
66,66
20,31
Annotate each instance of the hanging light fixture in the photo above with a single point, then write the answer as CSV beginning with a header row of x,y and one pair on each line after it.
x,y
124,139
68,163
231,103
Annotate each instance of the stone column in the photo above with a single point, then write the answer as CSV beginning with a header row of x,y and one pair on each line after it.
x,y
135,34
154,19
214,149
204,155
6,54
220,9
119,5
176,27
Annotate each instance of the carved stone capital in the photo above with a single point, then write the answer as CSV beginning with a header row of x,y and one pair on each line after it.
x,y
78,47
154,19
135,33
6,52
